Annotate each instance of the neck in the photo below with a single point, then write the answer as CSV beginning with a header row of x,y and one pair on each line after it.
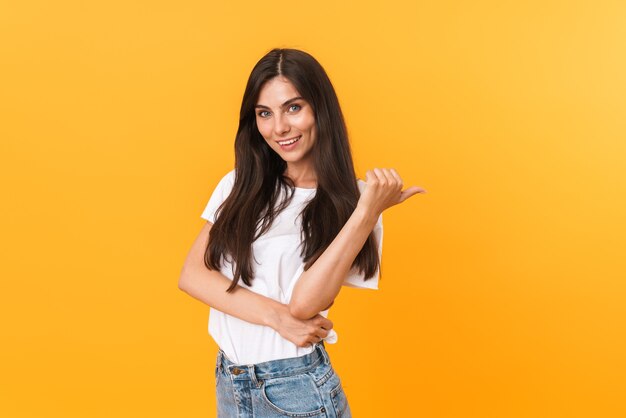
x,y
302,174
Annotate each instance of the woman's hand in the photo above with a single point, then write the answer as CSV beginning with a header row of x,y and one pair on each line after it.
x,y
384,190
302,333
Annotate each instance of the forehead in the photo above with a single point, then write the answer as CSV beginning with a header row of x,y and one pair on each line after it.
x,y
276,91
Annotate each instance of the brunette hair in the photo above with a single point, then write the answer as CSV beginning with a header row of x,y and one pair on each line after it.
x,y
253,203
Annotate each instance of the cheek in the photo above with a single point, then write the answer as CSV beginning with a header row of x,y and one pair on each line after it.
x,y
313,130
307,124
262,128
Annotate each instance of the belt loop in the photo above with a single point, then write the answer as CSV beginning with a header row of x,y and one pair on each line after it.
x,y
252,374
320,347
219,360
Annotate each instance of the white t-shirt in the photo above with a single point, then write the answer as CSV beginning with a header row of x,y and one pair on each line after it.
x,y
277,267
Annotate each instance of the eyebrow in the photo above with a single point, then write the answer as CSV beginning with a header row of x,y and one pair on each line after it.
x,y
283,105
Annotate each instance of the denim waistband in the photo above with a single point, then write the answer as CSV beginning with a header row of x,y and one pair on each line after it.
x,y
273,368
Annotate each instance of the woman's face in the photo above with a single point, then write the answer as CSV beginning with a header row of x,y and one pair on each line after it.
x,y
282,116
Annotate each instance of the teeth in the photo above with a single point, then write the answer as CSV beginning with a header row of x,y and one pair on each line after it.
x,y
289,142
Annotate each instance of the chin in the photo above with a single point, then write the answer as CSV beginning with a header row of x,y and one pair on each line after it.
x,y
291,159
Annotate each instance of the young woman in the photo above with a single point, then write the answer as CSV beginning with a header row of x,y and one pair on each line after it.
x,y
286,229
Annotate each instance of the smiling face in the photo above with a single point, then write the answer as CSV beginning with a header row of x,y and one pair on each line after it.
x,y
282,116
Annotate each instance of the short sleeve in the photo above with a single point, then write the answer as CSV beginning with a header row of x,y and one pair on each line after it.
x,y
355,279
220,193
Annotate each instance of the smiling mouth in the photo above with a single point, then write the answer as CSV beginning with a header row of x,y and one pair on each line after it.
x,y
289,141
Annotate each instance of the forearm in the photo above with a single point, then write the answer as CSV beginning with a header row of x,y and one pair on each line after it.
x,y
317,287
210,286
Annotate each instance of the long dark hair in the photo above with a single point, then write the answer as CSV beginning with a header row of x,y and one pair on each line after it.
x,y
253,204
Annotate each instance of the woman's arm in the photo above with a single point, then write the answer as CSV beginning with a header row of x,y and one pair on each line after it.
x,y
210,286
320,284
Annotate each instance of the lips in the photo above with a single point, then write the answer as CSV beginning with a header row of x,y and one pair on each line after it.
x,y
284,142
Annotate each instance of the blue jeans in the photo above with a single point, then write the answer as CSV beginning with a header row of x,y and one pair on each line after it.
x,y
305,386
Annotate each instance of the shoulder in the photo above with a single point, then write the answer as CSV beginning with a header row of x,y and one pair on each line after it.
x,y
225,184
227,180
230,176
220,193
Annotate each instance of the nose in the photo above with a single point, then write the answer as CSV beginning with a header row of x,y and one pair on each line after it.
x,y
281,125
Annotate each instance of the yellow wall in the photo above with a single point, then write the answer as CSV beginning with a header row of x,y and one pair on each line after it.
x,y
503,292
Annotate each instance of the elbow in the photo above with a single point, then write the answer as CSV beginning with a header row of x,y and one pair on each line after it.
x,y
304,311
306,308
183,280
182,284
299,313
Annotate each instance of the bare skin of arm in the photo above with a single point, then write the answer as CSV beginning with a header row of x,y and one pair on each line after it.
x,y
210,286
319,285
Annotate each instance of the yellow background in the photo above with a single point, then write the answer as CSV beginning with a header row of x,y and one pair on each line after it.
x,y
503,291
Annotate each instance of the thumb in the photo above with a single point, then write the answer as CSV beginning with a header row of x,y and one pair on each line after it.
x,y
405,194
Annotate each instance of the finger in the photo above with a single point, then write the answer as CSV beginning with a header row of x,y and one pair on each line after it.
x,y
395,174
322,333
314,340
389,178
321,321
326,323
413,190
393,181
380,176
